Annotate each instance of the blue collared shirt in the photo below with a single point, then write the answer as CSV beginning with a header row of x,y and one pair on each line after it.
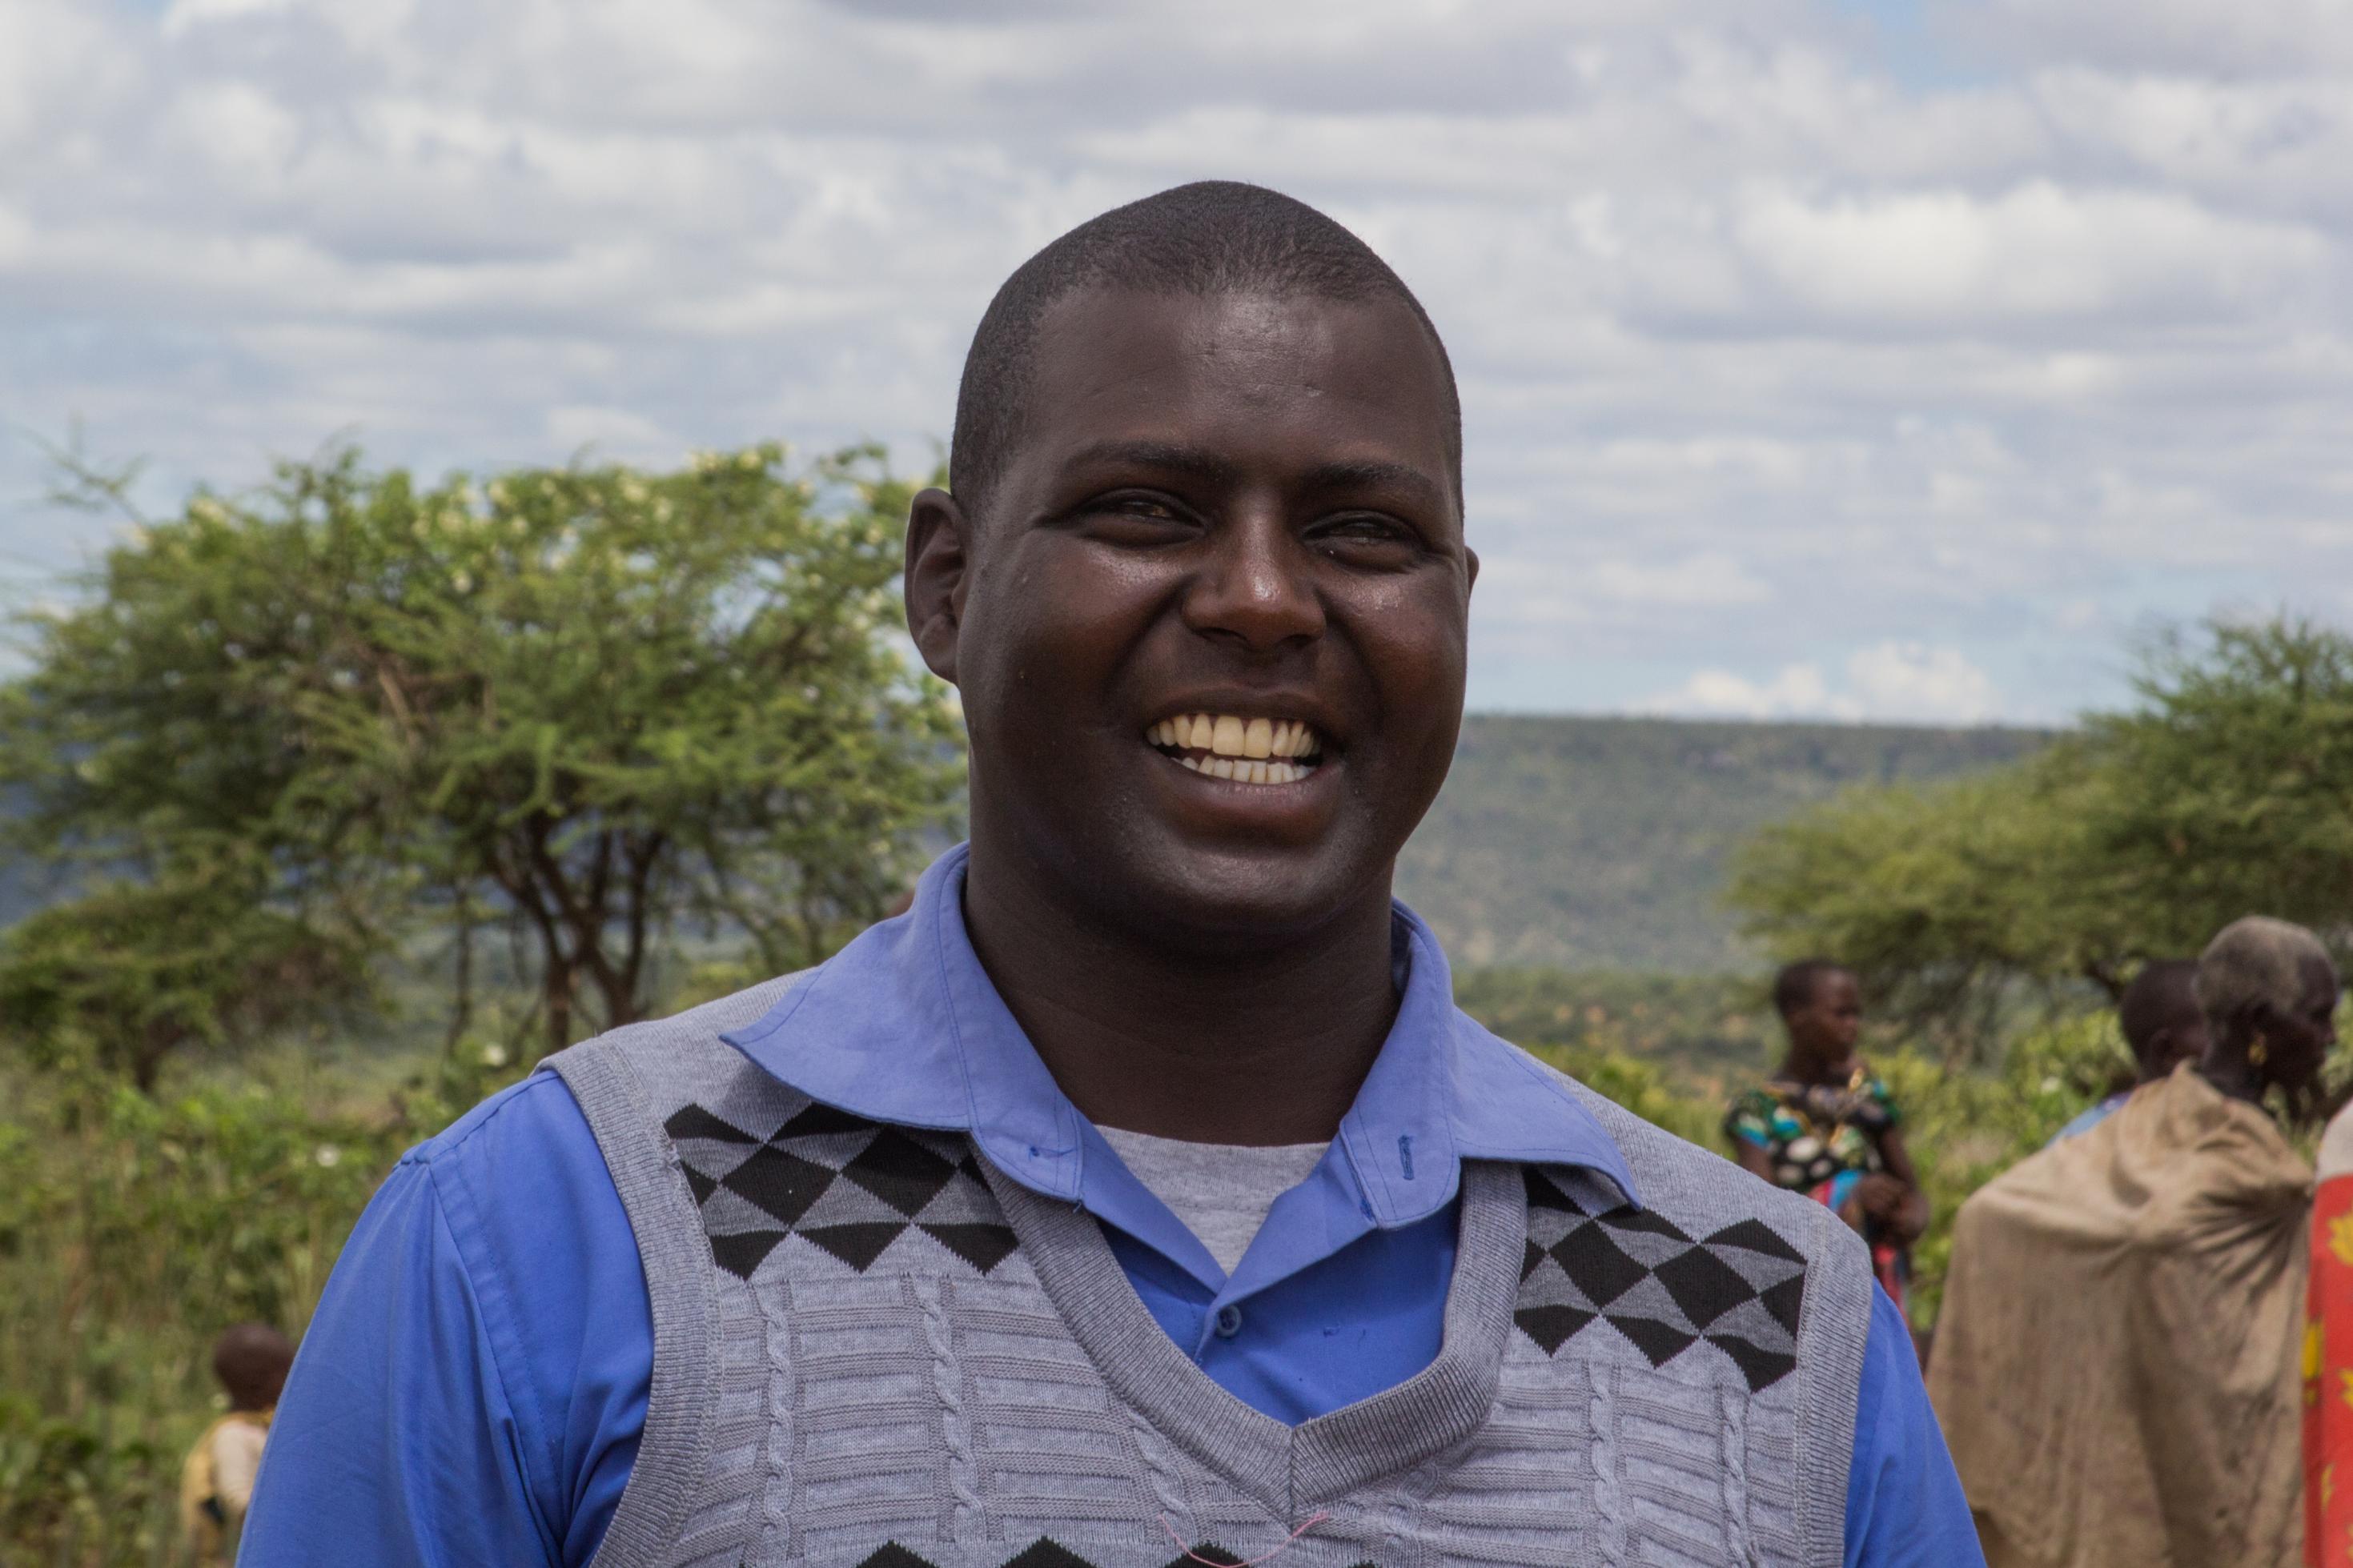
x,y
474,1384
2090,1117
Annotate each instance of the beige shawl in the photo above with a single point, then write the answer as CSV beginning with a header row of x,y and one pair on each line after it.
x,y
2117,1365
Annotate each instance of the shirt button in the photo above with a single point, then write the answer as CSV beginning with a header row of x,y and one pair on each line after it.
x,y
1229,1322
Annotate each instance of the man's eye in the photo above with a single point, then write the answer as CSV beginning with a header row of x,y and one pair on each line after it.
x,y
1136,521
1141,508
1359,534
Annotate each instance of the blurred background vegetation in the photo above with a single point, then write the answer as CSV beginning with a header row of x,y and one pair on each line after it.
x,y
332,807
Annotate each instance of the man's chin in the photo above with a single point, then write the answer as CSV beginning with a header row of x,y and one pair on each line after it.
x,y
1229,899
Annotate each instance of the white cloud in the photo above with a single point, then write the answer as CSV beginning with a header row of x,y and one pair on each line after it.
x,y
1760,346
1556,594
1934,683
2282,37
1797,691
1889,680
613,434
1947,260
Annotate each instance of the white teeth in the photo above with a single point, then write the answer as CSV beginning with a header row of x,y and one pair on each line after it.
x,y
1294,740
1247,750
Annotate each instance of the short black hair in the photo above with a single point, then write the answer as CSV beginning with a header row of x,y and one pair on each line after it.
x,y
251,1359
2164,990
1214,237
1793,987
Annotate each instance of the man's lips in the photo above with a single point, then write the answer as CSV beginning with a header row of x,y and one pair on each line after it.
x,y
1247,748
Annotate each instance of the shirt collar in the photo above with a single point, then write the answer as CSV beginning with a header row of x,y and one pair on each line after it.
x,y
902,1025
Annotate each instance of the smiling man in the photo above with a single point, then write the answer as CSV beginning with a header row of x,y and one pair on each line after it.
x,y
1139,1197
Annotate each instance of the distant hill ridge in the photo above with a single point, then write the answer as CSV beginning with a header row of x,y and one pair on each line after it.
x,y
1579,843
1582,843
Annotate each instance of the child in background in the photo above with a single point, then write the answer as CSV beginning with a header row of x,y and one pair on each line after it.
x,y
217,1481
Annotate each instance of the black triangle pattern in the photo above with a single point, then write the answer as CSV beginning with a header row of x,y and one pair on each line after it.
x,y
1738,1289
849,1187
1047,1552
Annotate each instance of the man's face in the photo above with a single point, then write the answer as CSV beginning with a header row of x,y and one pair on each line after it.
x,y
1210,635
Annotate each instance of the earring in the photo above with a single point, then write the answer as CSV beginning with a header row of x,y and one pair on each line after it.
x,y
2259,1051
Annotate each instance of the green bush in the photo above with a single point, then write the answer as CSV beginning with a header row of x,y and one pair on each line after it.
x,y
132,1230
1702,1029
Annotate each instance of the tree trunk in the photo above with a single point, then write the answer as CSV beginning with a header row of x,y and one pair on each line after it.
x,y
147,1064
557,989
461,1015
621,1000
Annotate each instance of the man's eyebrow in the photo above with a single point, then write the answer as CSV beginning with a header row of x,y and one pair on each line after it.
x,y
1165,455
1169,458
1373,474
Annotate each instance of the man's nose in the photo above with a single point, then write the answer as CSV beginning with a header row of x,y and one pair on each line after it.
x,y
1256,584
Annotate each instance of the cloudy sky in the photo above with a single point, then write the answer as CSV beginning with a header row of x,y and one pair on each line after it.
x,y
1893,360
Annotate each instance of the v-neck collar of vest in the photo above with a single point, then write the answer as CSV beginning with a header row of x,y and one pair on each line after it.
x,y
1288,1469
903,1026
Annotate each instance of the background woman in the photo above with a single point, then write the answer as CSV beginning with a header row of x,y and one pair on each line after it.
x,y
1824,1126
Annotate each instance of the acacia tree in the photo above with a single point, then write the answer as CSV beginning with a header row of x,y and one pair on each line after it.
x,y
2228,789
598,706
132,971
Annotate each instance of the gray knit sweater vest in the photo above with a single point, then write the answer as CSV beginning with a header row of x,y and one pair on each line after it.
x,y
873,1351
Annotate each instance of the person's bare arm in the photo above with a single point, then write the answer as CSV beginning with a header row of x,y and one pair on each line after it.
x,y
1753,1158
1894,1197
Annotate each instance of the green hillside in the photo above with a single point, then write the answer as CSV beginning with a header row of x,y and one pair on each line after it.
x,y
1602,843
1577,843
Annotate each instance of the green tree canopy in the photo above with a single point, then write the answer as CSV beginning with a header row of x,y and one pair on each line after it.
x,y
597,706
130,972
2227,790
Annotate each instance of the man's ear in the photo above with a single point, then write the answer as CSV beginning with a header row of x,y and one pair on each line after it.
x,y
939,567
1472,557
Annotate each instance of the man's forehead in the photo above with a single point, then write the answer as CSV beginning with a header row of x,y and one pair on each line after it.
x,y
1089,327
1113,366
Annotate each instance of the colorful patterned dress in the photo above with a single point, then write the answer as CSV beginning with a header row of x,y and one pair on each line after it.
x,y
2329,1356
1823,1139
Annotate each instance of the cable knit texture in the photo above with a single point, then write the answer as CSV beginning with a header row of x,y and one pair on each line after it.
x,y
871,1350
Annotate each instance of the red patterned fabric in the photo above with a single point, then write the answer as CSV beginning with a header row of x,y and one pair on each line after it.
x,y
2328,1379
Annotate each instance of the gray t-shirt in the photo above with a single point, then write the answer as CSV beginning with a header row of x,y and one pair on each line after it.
x,y
1221,1190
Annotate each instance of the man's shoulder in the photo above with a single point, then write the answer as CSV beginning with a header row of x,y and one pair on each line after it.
x,y
534,1111
1701,1191
704,1023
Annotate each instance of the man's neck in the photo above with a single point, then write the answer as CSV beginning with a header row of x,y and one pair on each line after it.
x,y
1249,1047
